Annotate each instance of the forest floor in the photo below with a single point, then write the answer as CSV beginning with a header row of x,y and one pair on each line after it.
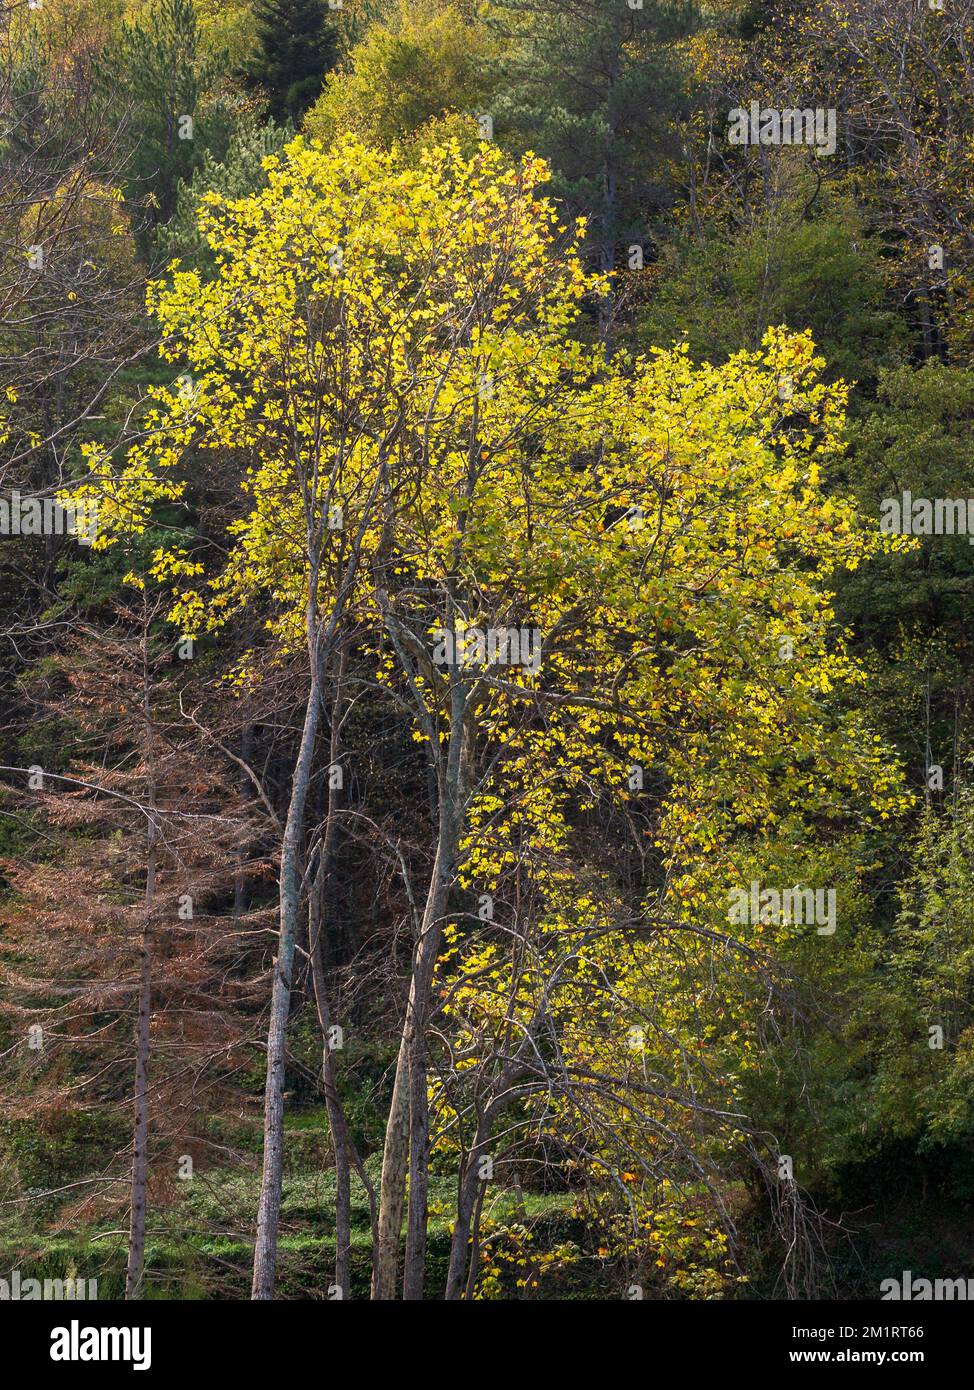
x,y
198,1244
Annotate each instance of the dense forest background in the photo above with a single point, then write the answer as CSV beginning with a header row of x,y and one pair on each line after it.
x,y
339,954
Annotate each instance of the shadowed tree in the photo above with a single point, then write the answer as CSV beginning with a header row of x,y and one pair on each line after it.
x,y
297,46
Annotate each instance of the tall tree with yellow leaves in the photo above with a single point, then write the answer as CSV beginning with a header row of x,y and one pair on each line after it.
x,y
561,565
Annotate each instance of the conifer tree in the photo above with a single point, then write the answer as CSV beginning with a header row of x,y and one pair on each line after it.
x,y
592,85
297,46
126,977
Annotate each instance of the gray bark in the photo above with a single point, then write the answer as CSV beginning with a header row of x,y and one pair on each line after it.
x,y
406,1147
468,1195
135,1264
268,1211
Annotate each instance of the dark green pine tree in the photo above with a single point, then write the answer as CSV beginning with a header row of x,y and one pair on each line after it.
x,y
594,86
297,45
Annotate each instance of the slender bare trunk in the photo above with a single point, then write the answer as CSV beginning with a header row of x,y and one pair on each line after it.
x,y
415,1265
459,1246
140,1157
339,1131
470,1189
607,249
392,1188
474,1269
269,1208
396,1151
346,1154
135,1265
406,1130
240,886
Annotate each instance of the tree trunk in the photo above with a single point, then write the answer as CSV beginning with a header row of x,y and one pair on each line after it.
x,y
140,1157
393,1182
346,1154
415,1267
459,1253
406,1130
135,1265
336,1118
410,1081
268,1211
240,885
607,251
